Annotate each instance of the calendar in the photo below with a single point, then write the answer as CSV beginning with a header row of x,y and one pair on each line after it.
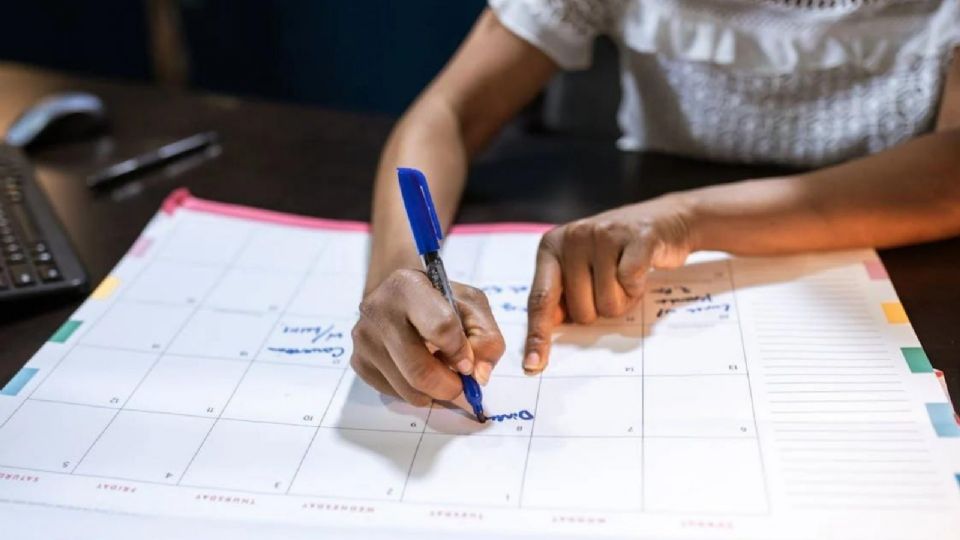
x,y
208,377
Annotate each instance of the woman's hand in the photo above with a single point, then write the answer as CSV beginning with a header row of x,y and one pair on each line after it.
x,y
597,267
409,339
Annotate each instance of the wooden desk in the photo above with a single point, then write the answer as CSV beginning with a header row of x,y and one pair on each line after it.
x,y
321,162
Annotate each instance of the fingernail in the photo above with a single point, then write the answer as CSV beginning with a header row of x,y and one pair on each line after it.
x,y
532,361
465,366
482,373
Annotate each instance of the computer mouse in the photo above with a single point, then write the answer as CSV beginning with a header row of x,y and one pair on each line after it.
x,y
57,118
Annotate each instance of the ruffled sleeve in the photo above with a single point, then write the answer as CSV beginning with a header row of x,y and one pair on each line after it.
x,y
563,29
778,37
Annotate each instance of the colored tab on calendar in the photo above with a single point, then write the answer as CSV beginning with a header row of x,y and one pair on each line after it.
x,y
895,313
18,381
106,288
65,331
944,419
875,270
916,359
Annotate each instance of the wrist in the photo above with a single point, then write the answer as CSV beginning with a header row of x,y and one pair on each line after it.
x,y
379,270
686,211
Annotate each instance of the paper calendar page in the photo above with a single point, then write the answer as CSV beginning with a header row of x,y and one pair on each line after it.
x,y
208,377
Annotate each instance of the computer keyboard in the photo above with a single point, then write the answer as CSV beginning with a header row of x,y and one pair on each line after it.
x,y
35,256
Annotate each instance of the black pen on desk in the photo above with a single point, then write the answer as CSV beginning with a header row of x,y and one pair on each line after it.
x,y
153,158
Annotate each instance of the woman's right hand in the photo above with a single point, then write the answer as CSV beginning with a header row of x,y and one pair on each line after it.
x,y
409,340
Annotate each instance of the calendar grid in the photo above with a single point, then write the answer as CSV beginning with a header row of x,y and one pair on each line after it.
x,y
253,357
306,451
145,375
422,432
197,306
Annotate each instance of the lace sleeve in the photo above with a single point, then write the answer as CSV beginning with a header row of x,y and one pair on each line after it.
x,y
562,29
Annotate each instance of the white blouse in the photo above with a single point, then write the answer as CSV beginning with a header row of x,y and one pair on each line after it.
x,y
799,82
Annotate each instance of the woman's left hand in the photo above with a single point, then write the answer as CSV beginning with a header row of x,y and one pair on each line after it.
x,y
597,267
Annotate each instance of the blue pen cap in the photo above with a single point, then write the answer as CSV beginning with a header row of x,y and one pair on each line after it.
x,y
420,211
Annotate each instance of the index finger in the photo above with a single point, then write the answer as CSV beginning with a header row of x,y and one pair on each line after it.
x,y
543,307
438,323
423,371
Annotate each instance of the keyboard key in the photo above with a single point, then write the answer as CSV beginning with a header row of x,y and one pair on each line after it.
x,y
44,257
14,258
49,272
11,248
40,247
22,276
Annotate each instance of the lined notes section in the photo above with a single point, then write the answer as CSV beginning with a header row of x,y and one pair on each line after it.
x,y
818,343
842,430
859,464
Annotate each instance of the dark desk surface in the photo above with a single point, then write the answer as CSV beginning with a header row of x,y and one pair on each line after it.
x,y
321,162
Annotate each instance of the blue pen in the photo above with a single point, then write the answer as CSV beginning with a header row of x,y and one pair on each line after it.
x,y
427,235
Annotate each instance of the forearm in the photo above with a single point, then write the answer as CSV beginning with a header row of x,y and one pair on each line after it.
x,y
492,76
429,138
907,194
